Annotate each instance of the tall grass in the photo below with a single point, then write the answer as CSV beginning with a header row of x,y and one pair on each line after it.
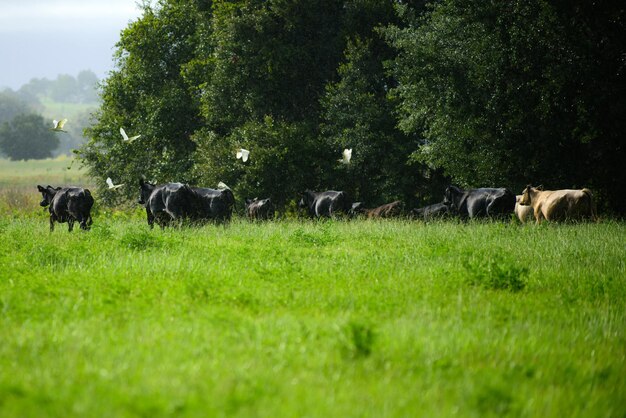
x,y
312,319
19,180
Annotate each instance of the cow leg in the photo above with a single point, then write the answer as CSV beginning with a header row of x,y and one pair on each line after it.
x,y
83,224
150,217
52,219
495,210
70,224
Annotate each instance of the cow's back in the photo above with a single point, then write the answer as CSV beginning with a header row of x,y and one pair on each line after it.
x,y
327,203
215,204
489,202
388,210
560,205
174,199
502,203
437,210
60,204
68,200
260,209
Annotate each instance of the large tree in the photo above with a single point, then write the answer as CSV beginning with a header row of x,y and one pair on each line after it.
x,y
147,94
27,137
295,83
359,114
263,74
516,92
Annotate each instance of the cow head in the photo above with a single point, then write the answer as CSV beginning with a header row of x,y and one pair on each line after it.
x,y
526,198
450,194
47,194
145,191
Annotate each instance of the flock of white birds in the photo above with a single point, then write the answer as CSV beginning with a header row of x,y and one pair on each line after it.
x,y
241,154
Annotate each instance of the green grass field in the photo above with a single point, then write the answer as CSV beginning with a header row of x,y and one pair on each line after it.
x,y
316,319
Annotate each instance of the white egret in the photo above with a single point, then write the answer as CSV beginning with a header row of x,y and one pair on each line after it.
x,y
111,185
243,154
58,125
346,156
126,138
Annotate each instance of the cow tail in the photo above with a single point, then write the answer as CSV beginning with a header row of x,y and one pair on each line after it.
x,y
592,203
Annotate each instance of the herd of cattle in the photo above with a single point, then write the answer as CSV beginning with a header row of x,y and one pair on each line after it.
x,y
171,203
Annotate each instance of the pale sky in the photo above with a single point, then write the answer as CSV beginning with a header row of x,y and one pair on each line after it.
x,y
45,38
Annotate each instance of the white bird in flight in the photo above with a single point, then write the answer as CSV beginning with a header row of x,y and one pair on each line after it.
x,y
346,156
243,154
111,185
58,125
126,138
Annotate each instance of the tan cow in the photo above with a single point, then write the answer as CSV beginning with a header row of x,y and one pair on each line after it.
x,y
524,213
559,205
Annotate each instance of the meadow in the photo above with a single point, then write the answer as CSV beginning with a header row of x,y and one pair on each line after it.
x,y
317,319
19,180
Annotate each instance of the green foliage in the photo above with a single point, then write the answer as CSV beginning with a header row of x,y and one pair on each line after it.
x,y
507,93
484,93
284,160
359,115
26,137
199,82
147,95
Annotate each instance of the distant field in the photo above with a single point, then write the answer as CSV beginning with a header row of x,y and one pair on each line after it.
x,y
72,111
19,180
317,319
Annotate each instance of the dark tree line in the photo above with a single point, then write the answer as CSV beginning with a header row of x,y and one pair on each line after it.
x,y
481,93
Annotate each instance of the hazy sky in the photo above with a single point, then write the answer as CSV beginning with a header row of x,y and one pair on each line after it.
x,y
45,38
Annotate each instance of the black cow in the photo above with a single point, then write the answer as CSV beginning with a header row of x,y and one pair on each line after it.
x,y
259,209
67,204
213,204
430,212
325,204
477,203
168,202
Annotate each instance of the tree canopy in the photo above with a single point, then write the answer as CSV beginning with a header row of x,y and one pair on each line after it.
x,y
481,93
26,136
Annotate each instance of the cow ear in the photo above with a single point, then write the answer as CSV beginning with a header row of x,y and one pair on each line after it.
x,y
540,187
248,201
41,189
141,182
